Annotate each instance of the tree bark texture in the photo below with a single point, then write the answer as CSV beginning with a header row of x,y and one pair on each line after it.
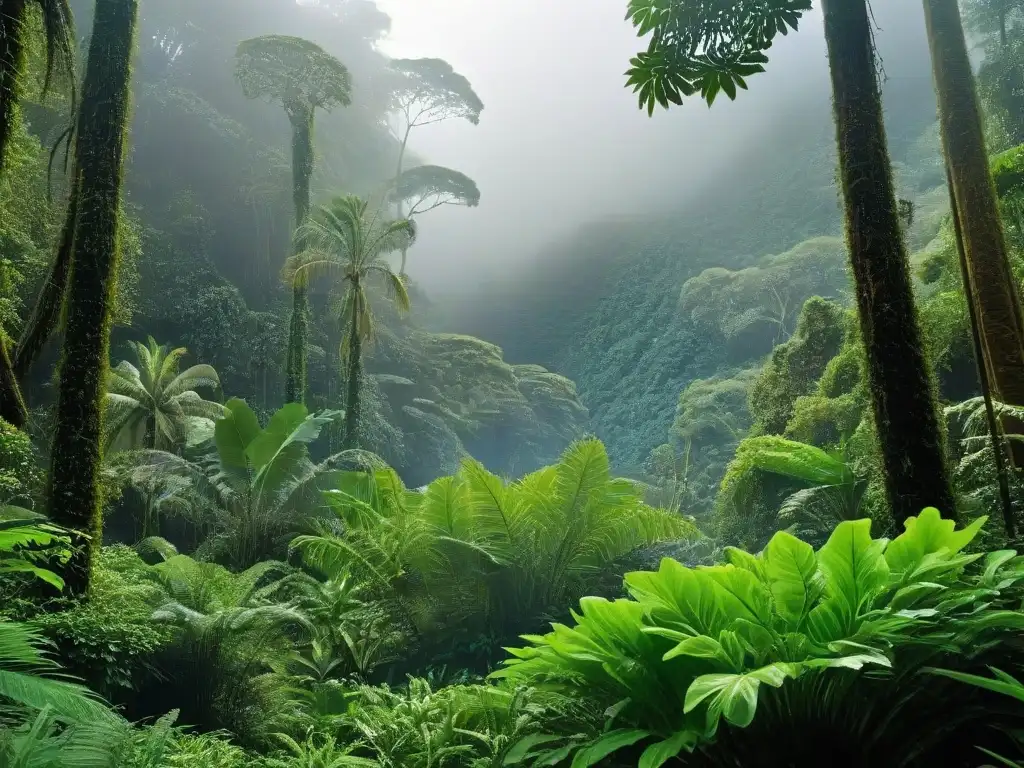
x,y
355,371
902,390
12,56
74,493
298,328
992,286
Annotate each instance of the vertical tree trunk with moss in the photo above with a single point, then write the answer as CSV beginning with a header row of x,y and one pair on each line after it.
x,y
902,390
74,493
355,371
298,330
994,291
12,56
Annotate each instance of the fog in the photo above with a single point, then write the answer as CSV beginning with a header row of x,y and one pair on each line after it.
x,y
561,140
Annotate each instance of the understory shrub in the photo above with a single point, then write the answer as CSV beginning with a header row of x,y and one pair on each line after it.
x,y
789,655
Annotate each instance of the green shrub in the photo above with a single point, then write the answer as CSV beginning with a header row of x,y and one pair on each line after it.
x,y
109,640
796,366
780,657
20,476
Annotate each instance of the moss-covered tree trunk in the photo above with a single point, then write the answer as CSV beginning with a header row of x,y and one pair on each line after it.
x,y
298,330
12,58
401,202
902,390
994,292
12,55
74,493
355,371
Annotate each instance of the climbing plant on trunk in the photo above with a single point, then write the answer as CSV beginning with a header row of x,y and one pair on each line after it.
x,y
59,45
99,147
992,287
302,77
347,238
697,47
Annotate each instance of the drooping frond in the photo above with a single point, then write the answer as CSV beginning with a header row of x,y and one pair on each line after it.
x,y
22,666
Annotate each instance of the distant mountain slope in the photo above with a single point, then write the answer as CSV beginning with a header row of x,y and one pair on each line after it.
x,y
601,306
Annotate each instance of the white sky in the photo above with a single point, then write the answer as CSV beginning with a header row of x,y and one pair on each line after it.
x,y
561,140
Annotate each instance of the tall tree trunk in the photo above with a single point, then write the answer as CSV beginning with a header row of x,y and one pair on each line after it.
x,y
12,56
355,371
12,406
12,59
401,203
902,391
994,433
992,286
298,331
74,493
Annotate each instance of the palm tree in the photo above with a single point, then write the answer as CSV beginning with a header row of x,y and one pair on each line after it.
x,y
698,47
345,237
100,137
59,43
989,281
303,78
151,405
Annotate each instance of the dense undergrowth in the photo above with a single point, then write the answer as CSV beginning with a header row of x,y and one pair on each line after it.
x,y
419,558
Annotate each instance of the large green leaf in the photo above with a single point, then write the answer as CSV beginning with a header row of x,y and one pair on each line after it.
x,y
854,566
659,753
792,572
927,534
235,432
734,696
680,596
606,744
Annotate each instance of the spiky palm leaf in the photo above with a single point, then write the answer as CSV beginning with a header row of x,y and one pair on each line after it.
x,y
22,666
153,397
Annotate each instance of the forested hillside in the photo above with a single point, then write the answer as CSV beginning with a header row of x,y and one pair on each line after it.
x,y
211,228
729,474
603,306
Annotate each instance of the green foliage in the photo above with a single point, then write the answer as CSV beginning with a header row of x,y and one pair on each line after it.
x,y
796,366
152,405
700,652
704,47
471,725
427,187
28,544
473,555
109,639
349,238
712,418
20,475
23,665
429,90
261,482
296,72
450,395
756,308
224,636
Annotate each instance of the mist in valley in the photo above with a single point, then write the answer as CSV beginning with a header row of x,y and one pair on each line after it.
x,y
561,143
